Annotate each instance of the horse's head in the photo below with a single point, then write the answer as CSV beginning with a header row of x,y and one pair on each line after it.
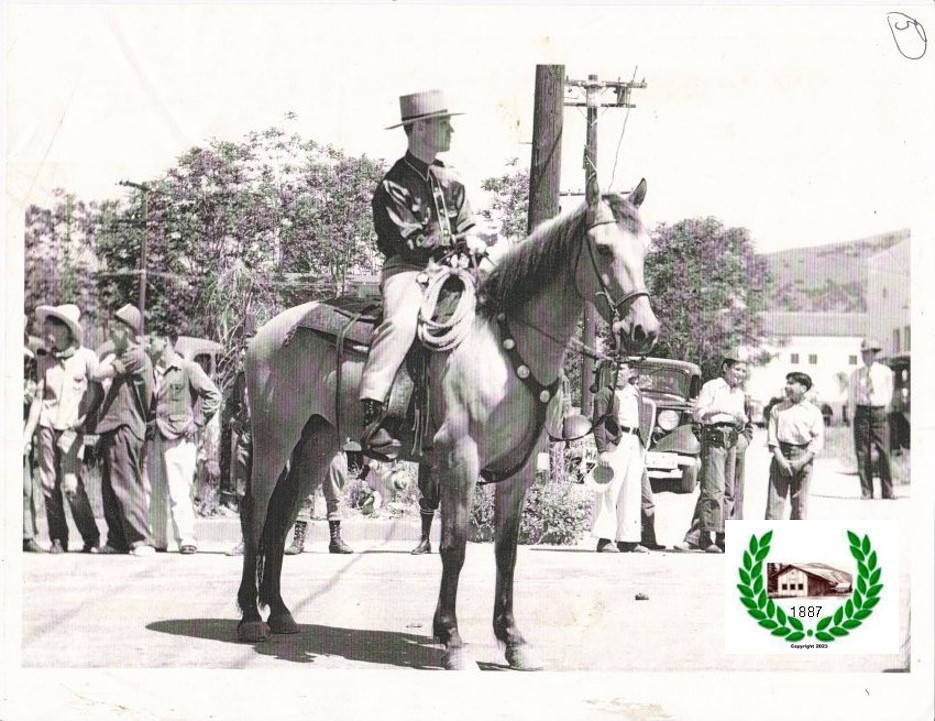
x,y
610,268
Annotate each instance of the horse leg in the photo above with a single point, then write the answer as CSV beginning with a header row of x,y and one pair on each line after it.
x,y
507,515
253,512
457,474
310,461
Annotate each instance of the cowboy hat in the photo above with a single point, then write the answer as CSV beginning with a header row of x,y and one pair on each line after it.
x,y
870,344
422,106
69,314
130,316
598,478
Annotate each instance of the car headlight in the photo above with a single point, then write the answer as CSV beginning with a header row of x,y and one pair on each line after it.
x,y
667,420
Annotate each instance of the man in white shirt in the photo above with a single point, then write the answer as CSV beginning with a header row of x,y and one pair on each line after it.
x,y
720,409
871,391
795,434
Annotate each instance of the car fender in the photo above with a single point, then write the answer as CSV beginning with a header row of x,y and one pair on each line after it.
x,y
680,440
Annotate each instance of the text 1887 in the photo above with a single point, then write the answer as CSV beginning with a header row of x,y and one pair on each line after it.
x,y
805,611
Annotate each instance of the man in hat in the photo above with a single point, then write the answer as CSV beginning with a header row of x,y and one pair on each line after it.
x,y
122,413
869,397
721,412
420,213
171,456
622,428
57,416
795,434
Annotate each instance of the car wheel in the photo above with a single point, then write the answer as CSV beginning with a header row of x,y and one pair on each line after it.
x,y
689,478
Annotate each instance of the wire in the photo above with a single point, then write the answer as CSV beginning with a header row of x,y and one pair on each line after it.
x,y
622,131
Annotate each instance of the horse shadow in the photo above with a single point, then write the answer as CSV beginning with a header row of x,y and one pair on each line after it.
x,y
315,641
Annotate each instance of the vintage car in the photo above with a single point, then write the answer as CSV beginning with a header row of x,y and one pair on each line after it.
x,y
899,415
674,450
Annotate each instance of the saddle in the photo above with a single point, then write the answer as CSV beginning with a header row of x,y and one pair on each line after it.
x,y
348,322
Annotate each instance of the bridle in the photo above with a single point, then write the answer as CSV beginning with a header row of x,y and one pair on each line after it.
x,y
616,306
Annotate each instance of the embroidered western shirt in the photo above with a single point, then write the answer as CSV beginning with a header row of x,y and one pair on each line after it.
x,y
417,211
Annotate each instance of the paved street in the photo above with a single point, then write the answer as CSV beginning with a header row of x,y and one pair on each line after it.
x,y
373,609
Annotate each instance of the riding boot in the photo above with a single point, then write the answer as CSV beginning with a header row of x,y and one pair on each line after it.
x,y
337,544
376,440
298,541
425,545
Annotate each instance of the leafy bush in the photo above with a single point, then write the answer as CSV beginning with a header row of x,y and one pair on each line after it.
x,y
555,512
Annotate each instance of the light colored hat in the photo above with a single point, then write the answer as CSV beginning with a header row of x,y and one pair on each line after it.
x,y
69,314
130,315
870,344
421,106
599,477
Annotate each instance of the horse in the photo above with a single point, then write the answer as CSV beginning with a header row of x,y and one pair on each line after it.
x,y
489,396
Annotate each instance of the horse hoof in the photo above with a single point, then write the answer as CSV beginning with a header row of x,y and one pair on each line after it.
x,y
283,623
458,658
522,658
251,631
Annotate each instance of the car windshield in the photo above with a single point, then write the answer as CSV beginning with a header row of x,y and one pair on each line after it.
x,y
665,380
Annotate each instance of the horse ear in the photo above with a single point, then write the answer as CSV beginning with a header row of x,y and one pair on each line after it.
x,y
639,193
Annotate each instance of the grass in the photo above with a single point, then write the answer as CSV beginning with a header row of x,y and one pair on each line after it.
x,y
839,445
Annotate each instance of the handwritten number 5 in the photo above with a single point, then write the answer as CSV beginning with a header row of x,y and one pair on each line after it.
x,y
908,34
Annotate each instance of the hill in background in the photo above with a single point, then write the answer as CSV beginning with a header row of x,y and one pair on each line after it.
x,y
826,278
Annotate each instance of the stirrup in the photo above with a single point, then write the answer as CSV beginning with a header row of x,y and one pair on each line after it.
x,y
379,444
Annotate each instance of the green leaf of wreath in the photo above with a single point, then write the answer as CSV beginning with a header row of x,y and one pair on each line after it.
x,y
747,563
822,636
851,623
795,636
796,623
758,584
780,615
782,631
744,576
762,553
857,553
838,615
875,576
823,623
745,590
861,585
857,599
766,538
872,560
865,544
874,590
766,623
749,603
753,546
862,614
838,631
853,538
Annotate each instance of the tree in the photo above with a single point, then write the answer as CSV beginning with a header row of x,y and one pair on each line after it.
x,y
509,201
707,286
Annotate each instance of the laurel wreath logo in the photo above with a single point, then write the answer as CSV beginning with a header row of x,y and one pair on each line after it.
x,y
849,616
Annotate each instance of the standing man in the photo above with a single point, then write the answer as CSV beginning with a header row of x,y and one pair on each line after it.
x,y
871,391
179,384
721,414
30,528
795,433
622,427
420,213
58,410
123,410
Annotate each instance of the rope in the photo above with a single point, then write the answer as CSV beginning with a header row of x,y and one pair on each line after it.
x,y
448,335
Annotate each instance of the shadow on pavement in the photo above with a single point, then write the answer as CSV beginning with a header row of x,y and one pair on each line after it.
x,y
313,641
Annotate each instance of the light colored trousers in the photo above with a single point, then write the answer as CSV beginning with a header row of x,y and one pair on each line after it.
x,y
171,470
402,298
331,487
617,510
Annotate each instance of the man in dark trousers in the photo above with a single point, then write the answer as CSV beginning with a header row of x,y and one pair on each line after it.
x,y
871,392
122,406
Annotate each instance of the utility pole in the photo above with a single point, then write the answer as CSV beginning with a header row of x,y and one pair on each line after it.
x,y
144,192
545,169
595,92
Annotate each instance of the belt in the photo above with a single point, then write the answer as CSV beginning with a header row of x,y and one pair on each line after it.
x,y
722,424
792,445
632,431
870,408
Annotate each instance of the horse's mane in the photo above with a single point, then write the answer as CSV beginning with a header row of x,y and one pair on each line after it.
x,y
534,262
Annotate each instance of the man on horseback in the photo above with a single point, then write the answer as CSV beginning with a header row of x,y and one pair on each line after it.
x,y
420,214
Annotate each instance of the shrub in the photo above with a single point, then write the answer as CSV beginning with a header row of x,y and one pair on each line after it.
x,y
555,512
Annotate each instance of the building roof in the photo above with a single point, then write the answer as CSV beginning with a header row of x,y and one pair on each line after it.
x,y
786,323
822,570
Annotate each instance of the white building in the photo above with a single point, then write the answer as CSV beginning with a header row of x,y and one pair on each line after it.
x,y
888,298
826,346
